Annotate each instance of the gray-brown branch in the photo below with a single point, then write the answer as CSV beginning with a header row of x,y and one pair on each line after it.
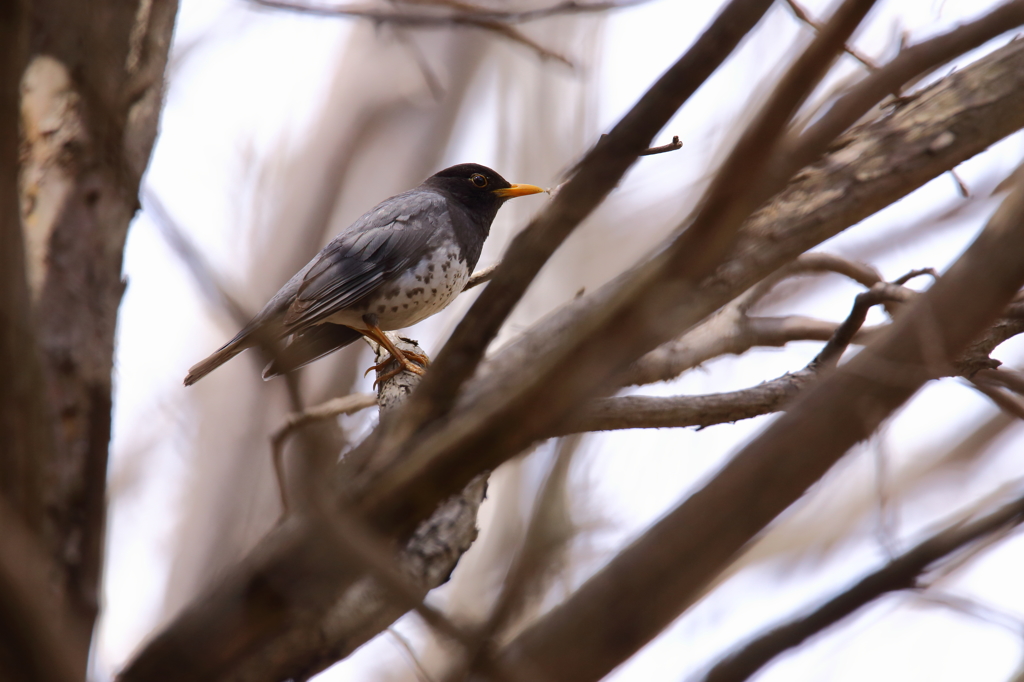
x,y
901,573
870,168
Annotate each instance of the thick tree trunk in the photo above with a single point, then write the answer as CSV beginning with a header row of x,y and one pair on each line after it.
x,y
90,77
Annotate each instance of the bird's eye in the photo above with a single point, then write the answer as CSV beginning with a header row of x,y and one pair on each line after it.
x,y
478,180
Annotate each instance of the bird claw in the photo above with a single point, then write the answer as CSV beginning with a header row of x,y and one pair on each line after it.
x,y
406,363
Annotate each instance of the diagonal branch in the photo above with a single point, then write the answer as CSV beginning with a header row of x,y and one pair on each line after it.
x,y
663,572
901,573
980,105
507,407
596,176
800,13
586,363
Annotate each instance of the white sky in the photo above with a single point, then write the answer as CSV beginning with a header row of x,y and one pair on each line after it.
x,y
247,85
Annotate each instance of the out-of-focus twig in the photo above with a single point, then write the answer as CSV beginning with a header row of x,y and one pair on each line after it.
x,y
208,281
899,574
1009,403
335,407
539,556
464,15
803,16
406,645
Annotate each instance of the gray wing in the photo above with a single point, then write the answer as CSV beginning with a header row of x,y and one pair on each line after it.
x,y
374,249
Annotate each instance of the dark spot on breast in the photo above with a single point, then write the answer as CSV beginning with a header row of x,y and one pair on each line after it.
x,y
405,306
391,294
381,308
418,278
433,291
430,267
427,280
394,309
413,292
445,265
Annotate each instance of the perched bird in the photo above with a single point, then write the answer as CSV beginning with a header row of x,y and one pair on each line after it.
x,y
401,262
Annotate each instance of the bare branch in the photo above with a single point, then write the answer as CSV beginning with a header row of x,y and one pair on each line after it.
x,y
912,62
370,590
481,277
646,412
899,574
1007,402
596,176
836,346
38,639
665,570
980,105
461,15
732,331
632,322
803,16
672,146
335,407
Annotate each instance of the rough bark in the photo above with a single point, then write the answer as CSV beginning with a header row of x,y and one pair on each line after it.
x,y
91,96
320,632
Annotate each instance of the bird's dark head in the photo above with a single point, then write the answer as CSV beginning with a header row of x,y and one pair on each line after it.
x,y
478,188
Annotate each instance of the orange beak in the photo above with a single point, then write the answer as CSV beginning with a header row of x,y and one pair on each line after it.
x,y
517,191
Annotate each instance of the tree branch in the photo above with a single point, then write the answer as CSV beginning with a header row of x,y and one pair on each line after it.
x,y
456,15
801,14
662,573
871,167
89,120
649,412
980,105
901,573
370,591
598,173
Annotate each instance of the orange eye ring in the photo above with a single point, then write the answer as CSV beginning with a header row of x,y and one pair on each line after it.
x,y
478,180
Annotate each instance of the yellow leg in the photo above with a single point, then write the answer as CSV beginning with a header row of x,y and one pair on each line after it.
x,y
406,361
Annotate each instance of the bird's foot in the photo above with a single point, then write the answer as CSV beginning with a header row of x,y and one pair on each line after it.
x,y
406,363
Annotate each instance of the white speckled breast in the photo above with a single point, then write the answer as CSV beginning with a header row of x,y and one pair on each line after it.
x,y
414,296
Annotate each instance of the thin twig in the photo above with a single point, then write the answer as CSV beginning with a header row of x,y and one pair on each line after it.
x,y
462,15
670,147
192,258
499,22
803,16
547,536
961,186
335,407
1011,404
901,573
916,273
421,672
481,277
879,293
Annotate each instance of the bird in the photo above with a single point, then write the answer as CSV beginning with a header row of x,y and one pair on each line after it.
x,y
401,262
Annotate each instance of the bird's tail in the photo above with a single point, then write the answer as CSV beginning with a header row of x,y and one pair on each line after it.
x,y
309,345
216,359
